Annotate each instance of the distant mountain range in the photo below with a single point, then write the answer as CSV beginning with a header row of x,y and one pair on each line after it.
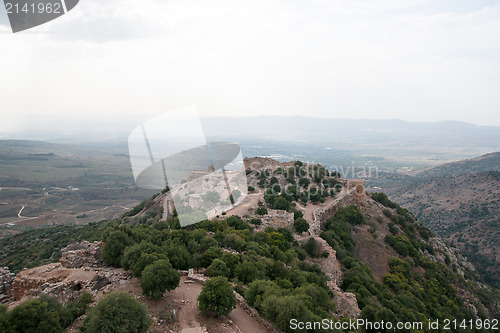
x,y
352,130
360,133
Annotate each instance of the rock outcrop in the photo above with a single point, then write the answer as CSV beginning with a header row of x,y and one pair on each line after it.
x,y
445,252
83,254
277,219
80,267
6,281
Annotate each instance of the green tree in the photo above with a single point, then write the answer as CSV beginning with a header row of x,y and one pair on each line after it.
x,y
261,211
178,255
132,253
117,312
75,308
4,320
34,316
158,277
304,182
281,309
247,271
218,268
401,248
217,296
209,255
300,225
114,245
144,260
281,203
351,214
311,246
256,290
255,221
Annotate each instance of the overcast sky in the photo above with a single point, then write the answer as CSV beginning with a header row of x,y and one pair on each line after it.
x,y
417,60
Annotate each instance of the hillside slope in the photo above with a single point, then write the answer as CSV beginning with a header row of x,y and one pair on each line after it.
x,y
460,202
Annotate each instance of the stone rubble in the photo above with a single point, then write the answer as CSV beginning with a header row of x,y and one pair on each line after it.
x,y
80,267
83,254
6,281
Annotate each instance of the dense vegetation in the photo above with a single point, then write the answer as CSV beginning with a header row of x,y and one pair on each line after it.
x,y
117,312
42,314
42,246
416,289
267,267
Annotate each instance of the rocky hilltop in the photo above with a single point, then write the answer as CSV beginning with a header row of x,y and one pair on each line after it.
x,y
303,237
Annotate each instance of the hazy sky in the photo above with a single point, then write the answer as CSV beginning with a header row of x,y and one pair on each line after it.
x,y
417,60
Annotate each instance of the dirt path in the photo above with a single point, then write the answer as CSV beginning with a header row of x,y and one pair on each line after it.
x,y
191,320
188,293
19,214
244,322
310,208
249,202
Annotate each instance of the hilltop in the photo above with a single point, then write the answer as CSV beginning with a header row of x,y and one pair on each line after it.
x,y
483,163
304,243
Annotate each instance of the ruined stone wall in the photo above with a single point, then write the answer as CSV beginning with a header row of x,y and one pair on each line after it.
x,y
277,219
320,215
80,267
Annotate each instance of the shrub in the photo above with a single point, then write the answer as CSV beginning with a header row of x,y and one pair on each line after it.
x,y
387,212
351,214
113,248
75,308
256,290
300,225
158,277
310,247
304,182
247,271
218,268
393,228
297,214
34,316
217,296
117,312
132,253
401,248
281,203
261,211
281,309
255,221
144,260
